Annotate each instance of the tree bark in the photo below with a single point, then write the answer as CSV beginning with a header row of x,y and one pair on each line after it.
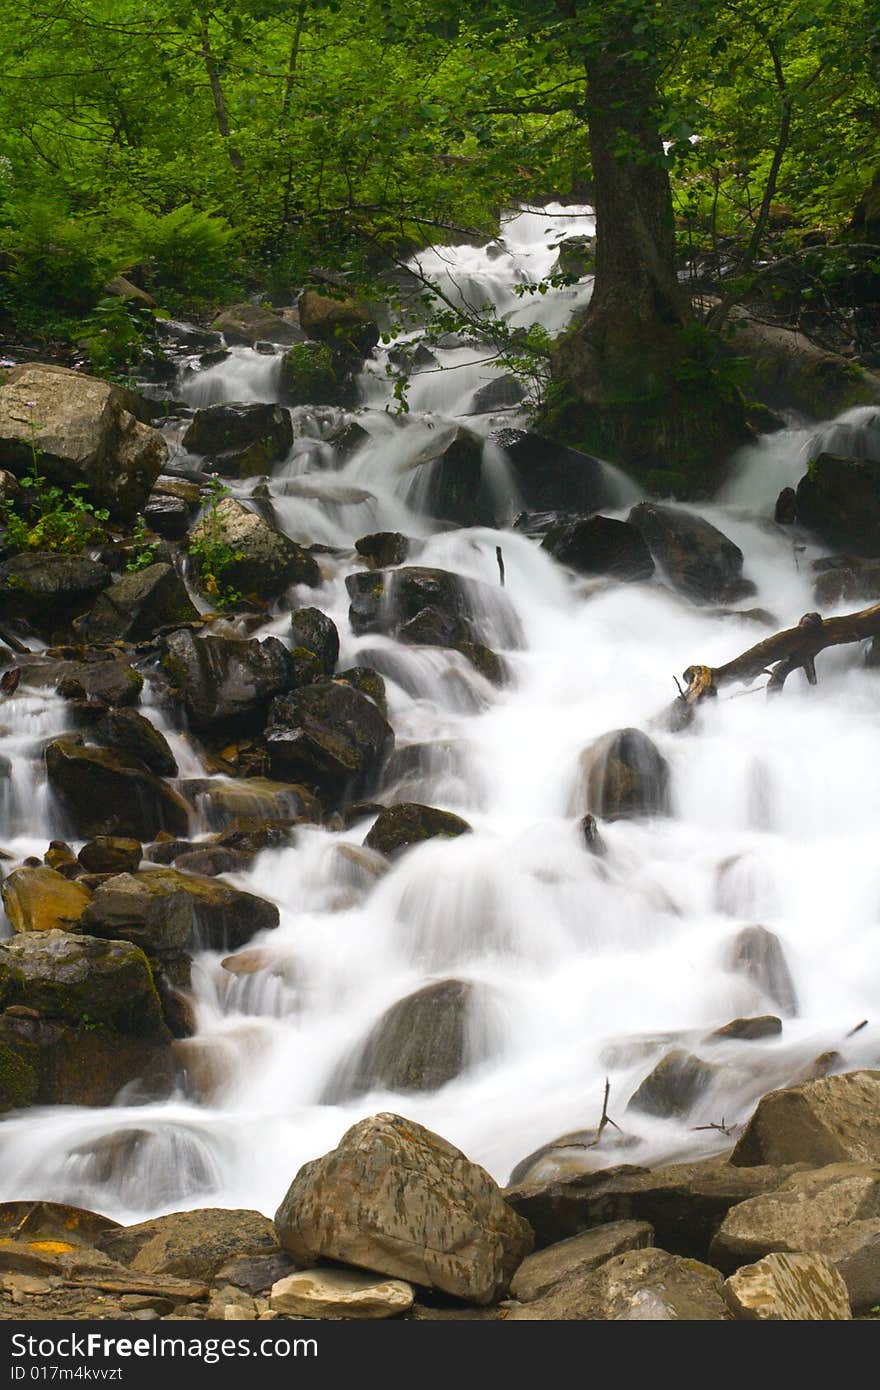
x,y
210,62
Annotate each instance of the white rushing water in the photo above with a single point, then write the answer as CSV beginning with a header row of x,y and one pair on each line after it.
x,y
583,966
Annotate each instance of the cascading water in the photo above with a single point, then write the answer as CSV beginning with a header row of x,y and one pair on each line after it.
x,y
580,967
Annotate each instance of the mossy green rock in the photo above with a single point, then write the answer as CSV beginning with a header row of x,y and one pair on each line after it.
x,y
166,910
410,823
77,979
309,376
239,441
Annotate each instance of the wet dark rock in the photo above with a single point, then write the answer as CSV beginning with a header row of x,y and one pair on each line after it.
x,y
435,627
625,774
450,480
171,911
313,630
210,860
225,681
551,477
592,839
748,1029
168,517
489,664
839,499
264,562
758,954
311,375
419,1044
240,440
846,579
110,854
673,1087
369,683
44,1061
412,355
129,732
306,666
106,683
600,545
409,823
383,601
47,591
383,549
329,736
137,606
106,793
697,558
786,511
500,394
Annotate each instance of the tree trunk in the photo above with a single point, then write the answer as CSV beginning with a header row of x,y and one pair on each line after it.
x,y
210,62
628,383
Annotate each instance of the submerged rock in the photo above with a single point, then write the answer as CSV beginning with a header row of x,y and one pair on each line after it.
x,y
410,823
397,1199
758,954
625,774
418,1044
697,558
551,477
674,1086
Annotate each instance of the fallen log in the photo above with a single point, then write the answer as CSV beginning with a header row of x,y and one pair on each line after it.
x,y
778,656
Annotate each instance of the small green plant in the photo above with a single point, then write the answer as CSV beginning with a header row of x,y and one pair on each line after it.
x,y
49,517
145,553
212,553
116,334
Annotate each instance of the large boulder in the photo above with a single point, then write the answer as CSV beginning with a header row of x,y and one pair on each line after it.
x,y
696,557
339,321
839,499
248,802
260,560
109,684
165,911
47,591
640,1285
383,601
624,774
397,1199
74,978
311,375
418,1044
83,431
834,1210
40,899
102,792
111,854
409,823
227,681
329,736
685,1202
251,323
137,606
788,1288
240,440
191,1244
44,1061
383,549
833,1120
600,545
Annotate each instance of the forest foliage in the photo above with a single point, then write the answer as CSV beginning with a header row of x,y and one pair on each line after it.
x,y
232,146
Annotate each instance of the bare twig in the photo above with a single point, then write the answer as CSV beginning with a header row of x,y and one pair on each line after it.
x,y
499,556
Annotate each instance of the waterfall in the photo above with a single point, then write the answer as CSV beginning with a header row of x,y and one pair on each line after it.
x,y
582,967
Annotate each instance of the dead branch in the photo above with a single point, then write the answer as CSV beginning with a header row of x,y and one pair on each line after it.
x,y
721,1126
605,1118
499,556
792,650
